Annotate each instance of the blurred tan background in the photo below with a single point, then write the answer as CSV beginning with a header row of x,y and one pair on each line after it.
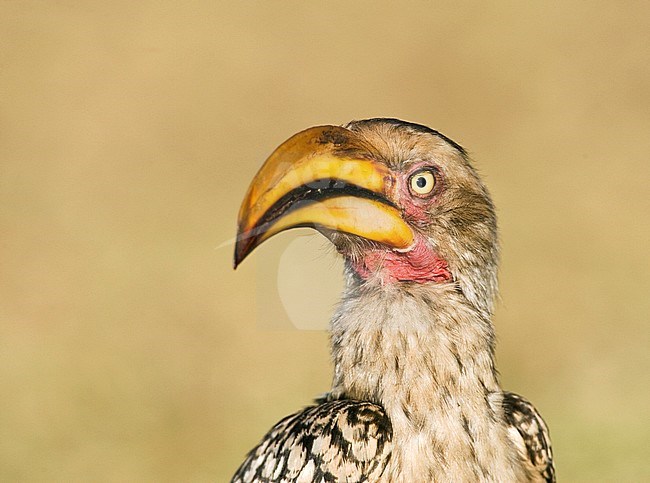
x,y
129,131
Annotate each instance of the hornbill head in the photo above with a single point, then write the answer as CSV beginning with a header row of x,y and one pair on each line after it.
x,y
398,200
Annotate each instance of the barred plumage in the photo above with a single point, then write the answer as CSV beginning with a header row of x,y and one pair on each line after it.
x,y
334,441
351,441
534,441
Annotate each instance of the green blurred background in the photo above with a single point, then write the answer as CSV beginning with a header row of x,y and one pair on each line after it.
x,y
129,131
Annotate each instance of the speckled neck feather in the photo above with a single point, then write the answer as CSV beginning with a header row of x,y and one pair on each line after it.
x,y
425,355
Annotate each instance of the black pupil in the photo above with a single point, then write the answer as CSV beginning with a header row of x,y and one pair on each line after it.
x,y
421,182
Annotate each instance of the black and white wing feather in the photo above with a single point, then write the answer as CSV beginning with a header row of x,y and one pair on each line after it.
x,y
530,434
341,440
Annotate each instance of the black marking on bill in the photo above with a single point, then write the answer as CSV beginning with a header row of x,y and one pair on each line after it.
x,y
315,192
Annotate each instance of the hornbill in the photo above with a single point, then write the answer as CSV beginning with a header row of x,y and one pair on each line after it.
x,y
415,394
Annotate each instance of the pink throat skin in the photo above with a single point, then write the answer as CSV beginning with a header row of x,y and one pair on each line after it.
x,y
419,264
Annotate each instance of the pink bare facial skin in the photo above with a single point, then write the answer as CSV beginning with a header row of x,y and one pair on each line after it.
x,y
419,263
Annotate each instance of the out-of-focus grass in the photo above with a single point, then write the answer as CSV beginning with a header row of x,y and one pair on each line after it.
x,y
129,349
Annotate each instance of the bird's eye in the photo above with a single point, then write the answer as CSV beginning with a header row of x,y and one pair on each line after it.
x,y
422,182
